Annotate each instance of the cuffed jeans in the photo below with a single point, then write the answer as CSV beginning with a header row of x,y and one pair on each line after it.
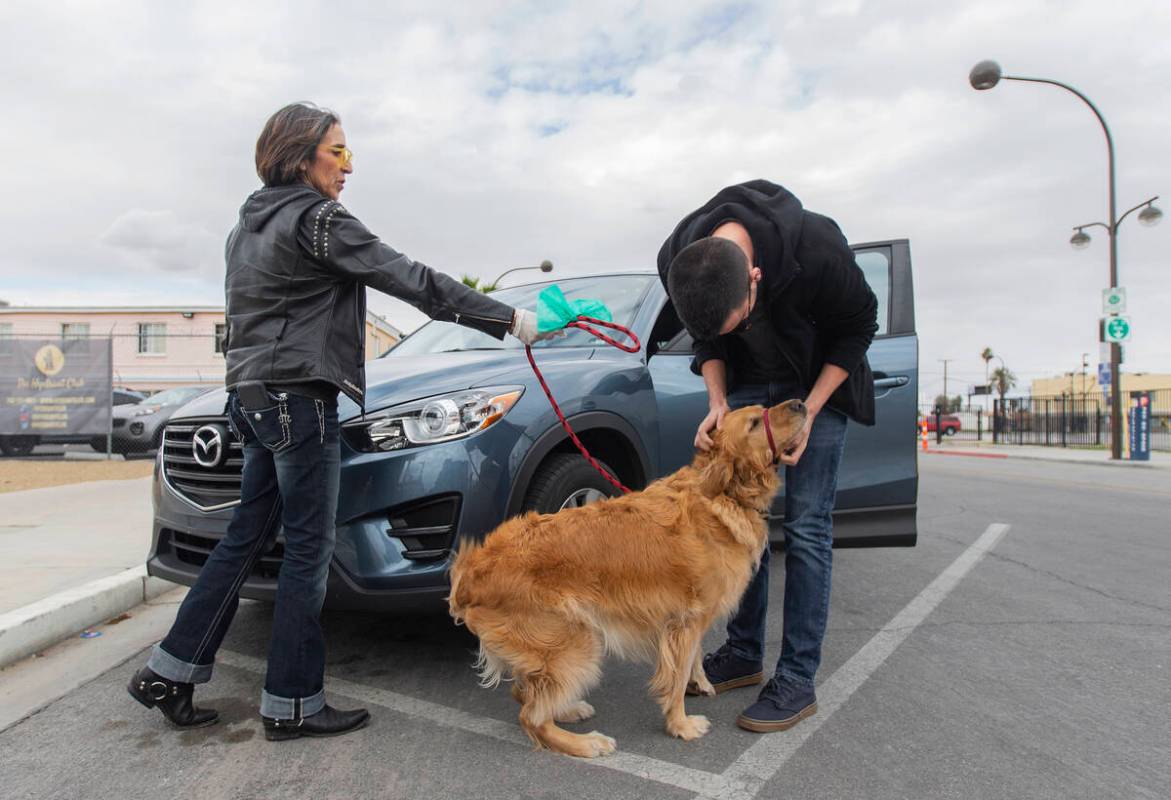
x,y
290,479
810,488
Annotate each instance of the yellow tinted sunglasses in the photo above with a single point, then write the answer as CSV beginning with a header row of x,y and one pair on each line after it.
x,y
343,154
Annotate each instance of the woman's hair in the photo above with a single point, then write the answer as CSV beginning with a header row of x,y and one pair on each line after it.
x,y
290,137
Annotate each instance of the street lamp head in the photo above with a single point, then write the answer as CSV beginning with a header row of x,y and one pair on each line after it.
x,y
985,75
1080,240
1150,215
546,266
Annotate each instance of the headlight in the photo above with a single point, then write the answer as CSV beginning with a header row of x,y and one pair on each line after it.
x,y
143,411
433,420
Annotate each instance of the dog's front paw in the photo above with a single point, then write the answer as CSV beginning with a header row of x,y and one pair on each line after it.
x,y
691,727
701,687
576,713
599,744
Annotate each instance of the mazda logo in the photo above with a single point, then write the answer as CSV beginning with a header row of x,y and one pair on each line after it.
x,y
209,446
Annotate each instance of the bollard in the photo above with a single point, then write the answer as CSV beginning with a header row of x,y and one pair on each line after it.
x,y
923,428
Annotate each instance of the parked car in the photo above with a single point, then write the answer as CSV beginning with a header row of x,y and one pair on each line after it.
x,y
138,428
948,423
23,444
457,435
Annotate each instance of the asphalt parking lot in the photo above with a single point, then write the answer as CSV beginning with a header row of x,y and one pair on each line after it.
x,y
1022,649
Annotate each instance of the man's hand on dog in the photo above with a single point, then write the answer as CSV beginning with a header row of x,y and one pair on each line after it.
x,y
714,418
793,454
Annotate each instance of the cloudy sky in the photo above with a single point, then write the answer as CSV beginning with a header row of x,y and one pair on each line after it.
x,y
490,135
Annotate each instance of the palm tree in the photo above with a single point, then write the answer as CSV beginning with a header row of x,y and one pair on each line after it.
x,y
987,355
1004,381
473,282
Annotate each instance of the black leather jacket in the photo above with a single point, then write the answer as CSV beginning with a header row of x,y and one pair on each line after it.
x,y
298,265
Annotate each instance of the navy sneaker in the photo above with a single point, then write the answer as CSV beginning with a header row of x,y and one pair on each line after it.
x,y
780,706
727,671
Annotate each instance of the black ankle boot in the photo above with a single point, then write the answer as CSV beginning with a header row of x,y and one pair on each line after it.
x,y
172,698
326,722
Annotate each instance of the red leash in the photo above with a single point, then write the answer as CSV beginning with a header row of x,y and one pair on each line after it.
x,y
584,324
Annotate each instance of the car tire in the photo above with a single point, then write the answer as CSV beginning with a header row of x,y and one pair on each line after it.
x,y
17,445
567,480
949,431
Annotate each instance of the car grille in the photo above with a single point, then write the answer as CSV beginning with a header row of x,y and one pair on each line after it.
x,y
206,488
193,549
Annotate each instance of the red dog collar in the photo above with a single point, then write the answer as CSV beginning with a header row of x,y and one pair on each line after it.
x,y
768,429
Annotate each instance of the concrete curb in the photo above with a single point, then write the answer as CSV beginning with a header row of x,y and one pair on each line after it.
x,y
1054,459
32,628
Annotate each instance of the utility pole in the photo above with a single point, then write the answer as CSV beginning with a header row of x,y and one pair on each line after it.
x,y
946,396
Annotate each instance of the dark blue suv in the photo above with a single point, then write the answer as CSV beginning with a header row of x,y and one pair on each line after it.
x,y
458,435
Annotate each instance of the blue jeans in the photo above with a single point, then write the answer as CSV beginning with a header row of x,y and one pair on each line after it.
x,y
810,488
290,480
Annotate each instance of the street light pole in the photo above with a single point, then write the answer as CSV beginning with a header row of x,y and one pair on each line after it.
x,y
984,76
544,266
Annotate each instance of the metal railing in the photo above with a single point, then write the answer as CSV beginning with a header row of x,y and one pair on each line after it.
x,y
1069,420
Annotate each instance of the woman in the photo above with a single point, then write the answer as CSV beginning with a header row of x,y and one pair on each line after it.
x,y
298,265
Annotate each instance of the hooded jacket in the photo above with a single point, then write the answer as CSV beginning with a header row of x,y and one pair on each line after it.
x,y
298,265
822,309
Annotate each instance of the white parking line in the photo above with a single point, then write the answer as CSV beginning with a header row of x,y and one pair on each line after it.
x,y
692,780
759,763
746,776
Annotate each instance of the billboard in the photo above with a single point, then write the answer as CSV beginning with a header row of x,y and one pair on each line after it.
x,y
55,386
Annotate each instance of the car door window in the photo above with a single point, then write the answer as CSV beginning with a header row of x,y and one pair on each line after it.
x,y
875,265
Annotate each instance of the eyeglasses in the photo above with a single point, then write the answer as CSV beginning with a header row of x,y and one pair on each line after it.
x,y
343,154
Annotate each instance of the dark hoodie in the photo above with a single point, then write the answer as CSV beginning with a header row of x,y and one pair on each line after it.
x,y
822,309
298,265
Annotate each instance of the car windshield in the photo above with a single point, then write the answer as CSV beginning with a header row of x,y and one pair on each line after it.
x,y
174,397
620,293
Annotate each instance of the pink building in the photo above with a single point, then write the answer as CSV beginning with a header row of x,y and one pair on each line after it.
x,y
155,347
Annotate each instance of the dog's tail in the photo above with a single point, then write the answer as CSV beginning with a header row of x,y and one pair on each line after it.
x,y
458,599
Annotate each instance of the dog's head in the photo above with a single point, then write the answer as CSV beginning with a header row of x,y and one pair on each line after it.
x,y
747,448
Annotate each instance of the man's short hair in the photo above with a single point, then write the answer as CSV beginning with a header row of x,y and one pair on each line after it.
x,y
707,281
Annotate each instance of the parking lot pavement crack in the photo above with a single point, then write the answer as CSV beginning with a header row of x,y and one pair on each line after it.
x,y
1106,623
1061,578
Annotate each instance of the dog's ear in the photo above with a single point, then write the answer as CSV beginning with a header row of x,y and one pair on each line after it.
x,y
714,476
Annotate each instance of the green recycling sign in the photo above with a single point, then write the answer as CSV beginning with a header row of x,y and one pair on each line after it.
x,y
1114,300
1116,329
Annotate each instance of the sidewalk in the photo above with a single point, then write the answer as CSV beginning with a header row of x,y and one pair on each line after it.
x,y
1068,455
70,557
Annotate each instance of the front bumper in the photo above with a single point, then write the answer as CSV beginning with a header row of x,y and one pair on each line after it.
x,y
400,514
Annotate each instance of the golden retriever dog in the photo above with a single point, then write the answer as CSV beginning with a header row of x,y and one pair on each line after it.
x,y
640,576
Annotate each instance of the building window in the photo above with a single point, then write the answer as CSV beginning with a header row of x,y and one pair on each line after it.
x,y
221,333
152,337
74,330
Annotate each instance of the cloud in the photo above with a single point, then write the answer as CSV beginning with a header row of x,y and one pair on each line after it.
x,y
512,132
158,240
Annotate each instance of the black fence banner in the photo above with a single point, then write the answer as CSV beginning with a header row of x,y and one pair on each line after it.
x,y
57,386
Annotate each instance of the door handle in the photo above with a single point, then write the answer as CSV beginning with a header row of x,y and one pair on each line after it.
x,y
884,381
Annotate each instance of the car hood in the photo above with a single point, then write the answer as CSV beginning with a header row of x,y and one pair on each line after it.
x,y
126,411
400,379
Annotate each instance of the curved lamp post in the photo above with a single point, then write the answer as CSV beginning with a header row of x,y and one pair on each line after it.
x,y
544,266
986,75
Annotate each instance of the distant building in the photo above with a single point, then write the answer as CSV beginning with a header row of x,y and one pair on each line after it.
x,y
1073,384
155,347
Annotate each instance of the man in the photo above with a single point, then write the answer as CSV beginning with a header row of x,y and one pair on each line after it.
x,y
778,309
